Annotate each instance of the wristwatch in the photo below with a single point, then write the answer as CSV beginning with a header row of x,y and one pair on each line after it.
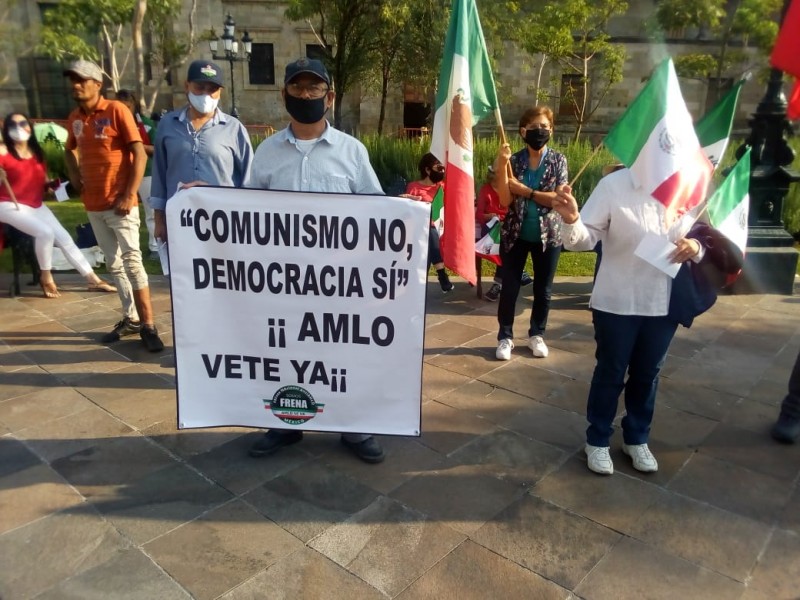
x,y
530,196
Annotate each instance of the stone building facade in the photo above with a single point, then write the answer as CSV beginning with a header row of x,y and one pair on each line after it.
x,y
35,84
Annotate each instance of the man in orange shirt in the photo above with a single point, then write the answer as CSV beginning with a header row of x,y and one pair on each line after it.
x,y
106,159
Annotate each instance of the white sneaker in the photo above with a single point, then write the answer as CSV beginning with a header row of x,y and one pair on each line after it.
x,y
643,459
504,349
538,347
599,460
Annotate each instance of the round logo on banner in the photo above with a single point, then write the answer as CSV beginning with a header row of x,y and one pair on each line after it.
x,y
293,405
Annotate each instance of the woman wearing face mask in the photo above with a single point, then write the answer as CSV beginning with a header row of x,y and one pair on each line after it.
x,y
198,144
22,165
531,227
431,172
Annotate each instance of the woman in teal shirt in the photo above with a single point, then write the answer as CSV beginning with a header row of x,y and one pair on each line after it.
x,y
531,228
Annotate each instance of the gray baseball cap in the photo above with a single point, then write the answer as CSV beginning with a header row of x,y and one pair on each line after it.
x,y
85,69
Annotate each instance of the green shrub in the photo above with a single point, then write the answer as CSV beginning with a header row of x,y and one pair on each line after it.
x,y
791,206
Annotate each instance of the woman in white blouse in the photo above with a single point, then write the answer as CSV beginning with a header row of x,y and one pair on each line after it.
x,y
629,302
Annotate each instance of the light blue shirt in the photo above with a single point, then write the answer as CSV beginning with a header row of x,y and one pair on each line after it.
x,y
219,154
336,162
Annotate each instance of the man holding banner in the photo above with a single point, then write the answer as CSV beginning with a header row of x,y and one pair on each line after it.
x,y
311,156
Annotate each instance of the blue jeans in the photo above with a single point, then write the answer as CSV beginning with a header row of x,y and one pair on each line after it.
x,y
639,346
545,261
434,247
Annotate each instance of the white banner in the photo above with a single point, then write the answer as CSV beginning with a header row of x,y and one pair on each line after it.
x,y
298,310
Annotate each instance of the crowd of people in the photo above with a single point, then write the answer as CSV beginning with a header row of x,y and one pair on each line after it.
x,y
116,158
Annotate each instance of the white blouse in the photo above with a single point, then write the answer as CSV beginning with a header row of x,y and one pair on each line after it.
x,y
619,215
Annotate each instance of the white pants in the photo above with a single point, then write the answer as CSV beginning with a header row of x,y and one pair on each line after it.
x,y
149,213
43,226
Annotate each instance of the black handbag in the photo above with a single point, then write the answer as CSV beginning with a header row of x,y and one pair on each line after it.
x,y
85,236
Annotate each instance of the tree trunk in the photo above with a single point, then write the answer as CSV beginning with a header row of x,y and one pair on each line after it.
x,y
539,77
384,94
138,48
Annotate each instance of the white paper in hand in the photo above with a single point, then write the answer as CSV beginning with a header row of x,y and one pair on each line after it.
x,y
163,255
61,192
656,250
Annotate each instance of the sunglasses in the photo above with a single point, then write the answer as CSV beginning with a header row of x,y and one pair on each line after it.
x,y
20,124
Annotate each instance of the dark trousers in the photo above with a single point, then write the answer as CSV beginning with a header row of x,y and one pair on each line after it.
x,y
791,403
636,344
434,247
545,261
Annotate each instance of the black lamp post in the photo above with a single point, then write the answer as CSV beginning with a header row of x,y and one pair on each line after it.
x,y
771,260
231,52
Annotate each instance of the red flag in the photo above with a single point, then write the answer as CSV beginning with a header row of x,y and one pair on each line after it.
x,y
785,55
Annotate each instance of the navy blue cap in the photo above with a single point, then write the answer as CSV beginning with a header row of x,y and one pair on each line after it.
x,y
203,70
306,65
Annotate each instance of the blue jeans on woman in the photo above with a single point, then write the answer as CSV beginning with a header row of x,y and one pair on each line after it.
x,y
635,344
545,262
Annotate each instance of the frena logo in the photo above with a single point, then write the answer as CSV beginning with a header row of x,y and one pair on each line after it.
x,y
208,71
293,405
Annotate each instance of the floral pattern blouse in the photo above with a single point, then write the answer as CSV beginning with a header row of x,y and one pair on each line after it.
x,y
554,174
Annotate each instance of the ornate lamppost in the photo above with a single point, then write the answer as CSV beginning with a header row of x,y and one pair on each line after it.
x,y
231,52
771,260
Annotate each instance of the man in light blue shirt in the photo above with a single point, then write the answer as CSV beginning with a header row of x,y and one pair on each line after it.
x,y
198,143
311,156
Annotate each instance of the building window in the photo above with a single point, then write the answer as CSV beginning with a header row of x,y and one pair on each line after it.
x,y
262,65
317,51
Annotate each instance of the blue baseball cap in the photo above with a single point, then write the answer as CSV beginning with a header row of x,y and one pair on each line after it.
x,y
306,65
202,70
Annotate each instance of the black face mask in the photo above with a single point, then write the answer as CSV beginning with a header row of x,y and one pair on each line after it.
x,y
304,110
537,138
436,176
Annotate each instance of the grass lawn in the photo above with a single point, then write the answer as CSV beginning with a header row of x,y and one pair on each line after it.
x,y
71,213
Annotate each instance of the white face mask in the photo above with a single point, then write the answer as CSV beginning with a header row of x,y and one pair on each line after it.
x,y
204,104
18,134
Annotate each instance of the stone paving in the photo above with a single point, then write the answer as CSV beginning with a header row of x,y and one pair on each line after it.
x,y
101,496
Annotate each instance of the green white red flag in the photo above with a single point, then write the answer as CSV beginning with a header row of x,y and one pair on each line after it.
x,y
728,208
714,128
488,246
656,140
465,95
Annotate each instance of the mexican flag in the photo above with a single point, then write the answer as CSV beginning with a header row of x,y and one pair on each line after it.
x,y
655,139
714,129
465,95
728,208
488,246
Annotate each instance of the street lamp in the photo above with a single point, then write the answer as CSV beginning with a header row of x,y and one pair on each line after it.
x,y
230,53
771,260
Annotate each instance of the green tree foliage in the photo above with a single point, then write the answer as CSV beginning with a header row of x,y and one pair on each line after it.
x,y
346,29
727,27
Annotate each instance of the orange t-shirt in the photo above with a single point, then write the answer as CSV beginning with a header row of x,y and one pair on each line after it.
x,y
102,138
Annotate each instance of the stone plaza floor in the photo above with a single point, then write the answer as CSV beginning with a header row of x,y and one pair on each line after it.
x,y
102,497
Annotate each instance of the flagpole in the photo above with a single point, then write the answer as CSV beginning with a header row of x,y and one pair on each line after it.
x,y
586,164
499,118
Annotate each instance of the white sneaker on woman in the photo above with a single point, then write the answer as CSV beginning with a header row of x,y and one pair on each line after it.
x,y
599,459
538,347
643,459
504,349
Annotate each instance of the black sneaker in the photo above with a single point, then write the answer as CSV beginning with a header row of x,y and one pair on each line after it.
x,y
444,281
121,329
150,339
525,279
274,440
369,450
787,429
494,292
